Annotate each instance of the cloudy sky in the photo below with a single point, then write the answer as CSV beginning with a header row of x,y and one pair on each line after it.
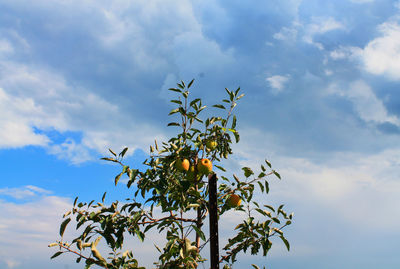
x,y
320,78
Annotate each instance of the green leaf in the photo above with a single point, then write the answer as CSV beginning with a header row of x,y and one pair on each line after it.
x,y
123,152
268,163
270,207
285,242
219,106
173,111
266,186
109,159
255,266
261,211
175,90
261,186
226,89
236,178
199,232
194,101
261,175
237,91
103,197
140,235
173,124
63,226
247,171
237,137
76,199
190,83
176,102
276,174
56,254
117,178
234,122
220,168
112,152
276,220
125,168
240,96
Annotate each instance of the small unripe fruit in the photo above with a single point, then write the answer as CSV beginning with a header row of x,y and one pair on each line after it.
x,y
204,166
182,165
234,200
211,145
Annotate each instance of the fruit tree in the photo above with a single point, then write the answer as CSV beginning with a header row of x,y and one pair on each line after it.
x,y
173,197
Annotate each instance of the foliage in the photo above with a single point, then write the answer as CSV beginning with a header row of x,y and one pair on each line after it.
x,y
181,196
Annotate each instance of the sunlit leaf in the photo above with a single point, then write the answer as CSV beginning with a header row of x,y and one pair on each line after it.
x,y
268,163
117,178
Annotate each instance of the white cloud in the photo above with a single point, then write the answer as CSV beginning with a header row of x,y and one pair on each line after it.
x,y
27,228
321,25
5,47
16,128
381,55
366,103
342,53
351,186
307,32
286,34
70,150
33,97
41,98
28,191
354,186
277,82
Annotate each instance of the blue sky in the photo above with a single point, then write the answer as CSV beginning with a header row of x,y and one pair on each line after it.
x,y
321,81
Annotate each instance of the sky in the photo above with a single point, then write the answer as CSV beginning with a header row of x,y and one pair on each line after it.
x,y
319,77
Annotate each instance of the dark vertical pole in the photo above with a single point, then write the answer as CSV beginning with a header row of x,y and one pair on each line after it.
x,y
213,211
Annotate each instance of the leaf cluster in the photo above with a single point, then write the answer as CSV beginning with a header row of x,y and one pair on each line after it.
x,y
180,196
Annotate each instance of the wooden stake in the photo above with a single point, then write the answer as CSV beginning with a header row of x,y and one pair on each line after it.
x,y
213,217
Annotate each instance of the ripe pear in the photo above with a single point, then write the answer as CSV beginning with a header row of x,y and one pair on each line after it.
x,y
204,166
234,200
182,165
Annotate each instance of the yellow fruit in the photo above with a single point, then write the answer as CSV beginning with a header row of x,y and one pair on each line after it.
x,y
234,200
204,166
182,165
211,145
